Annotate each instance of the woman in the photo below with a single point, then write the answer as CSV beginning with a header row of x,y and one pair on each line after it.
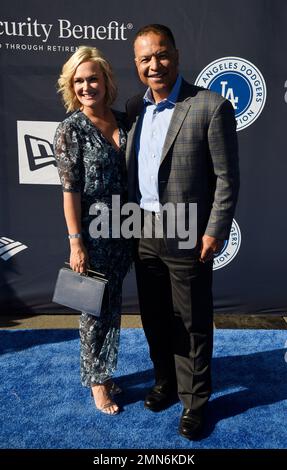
x,y
89,149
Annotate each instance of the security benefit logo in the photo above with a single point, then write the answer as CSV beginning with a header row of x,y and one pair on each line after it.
x,y
239,81
37,164
230,248
9,248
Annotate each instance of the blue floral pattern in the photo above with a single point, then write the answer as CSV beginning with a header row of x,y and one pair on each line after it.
x,y
89,164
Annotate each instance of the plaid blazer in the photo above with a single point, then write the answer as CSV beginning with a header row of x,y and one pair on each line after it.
x,y
199,161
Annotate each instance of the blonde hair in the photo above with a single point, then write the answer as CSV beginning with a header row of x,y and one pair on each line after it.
x,y
65,81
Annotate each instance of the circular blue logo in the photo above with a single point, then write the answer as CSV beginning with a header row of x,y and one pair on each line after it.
x,y
239,81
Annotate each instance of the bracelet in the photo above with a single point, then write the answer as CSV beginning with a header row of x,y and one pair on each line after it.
x,y
75,235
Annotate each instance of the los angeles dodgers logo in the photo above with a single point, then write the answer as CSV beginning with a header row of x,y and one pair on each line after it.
x,y
239,81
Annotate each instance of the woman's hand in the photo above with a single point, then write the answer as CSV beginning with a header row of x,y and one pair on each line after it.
x,y
79,260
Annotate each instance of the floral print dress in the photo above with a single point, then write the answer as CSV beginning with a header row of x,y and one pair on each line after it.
x,y
89,164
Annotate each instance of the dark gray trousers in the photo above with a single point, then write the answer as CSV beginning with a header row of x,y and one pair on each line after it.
x,y
175,295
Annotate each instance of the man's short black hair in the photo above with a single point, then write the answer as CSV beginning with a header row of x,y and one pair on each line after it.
x,y
157,29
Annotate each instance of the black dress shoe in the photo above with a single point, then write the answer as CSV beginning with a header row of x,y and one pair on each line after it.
x,y
160,397
191,423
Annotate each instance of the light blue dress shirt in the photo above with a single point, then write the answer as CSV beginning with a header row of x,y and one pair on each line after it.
x,y
150,137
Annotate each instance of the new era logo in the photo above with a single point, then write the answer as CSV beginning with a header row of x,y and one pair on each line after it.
x,y
39,152
37,164
9,248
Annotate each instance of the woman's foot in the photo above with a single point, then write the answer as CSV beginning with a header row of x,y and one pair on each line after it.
x,y
103,400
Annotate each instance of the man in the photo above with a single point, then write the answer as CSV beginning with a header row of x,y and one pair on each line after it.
x,y
182,148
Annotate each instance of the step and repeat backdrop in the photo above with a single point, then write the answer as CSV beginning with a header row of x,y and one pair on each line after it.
x,y
235,48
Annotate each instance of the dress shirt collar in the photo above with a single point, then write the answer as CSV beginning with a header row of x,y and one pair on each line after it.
x,y
170,101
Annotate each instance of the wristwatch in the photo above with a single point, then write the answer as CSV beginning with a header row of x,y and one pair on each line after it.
x,y
75,235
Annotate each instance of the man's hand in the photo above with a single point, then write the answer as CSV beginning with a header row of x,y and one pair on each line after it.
x,y
209,246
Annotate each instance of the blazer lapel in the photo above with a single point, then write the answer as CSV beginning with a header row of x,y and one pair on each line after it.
x,y
180,111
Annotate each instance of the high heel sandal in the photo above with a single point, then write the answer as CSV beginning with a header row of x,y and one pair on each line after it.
x,y
106,406
114,388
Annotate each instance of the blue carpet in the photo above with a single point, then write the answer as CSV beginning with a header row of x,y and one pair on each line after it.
x,y
44,406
